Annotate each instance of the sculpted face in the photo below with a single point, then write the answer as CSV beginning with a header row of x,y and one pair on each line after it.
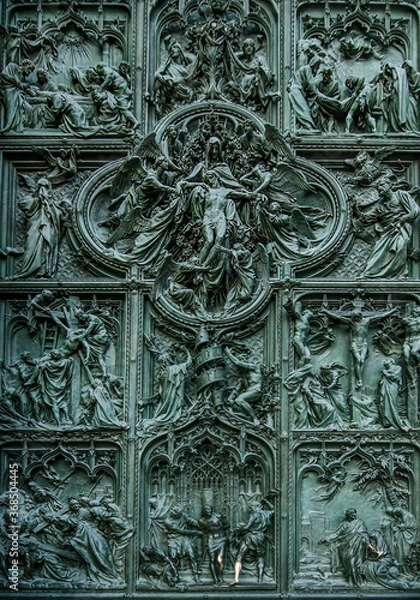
x,y
248,47
351,514
383,185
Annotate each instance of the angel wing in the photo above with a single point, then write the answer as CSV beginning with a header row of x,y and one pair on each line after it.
x,y
148,147
46,154
153,344
381,153
130,169
28,181
261,262
278,142
290,180
300,224
131,224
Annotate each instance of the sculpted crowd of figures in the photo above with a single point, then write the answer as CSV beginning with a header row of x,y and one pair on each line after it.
x,y
177,539
218,206
356,77
378,556
354,74
208,210
367,399
80,539
324,101
212,55
328,388
97,101
39,390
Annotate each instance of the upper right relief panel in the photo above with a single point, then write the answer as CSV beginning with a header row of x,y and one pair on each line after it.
x,y
355,70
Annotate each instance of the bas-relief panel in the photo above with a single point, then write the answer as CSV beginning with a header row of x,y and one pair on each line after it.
x,y
356,70
354,524
66,71
71,530
209,378
63,365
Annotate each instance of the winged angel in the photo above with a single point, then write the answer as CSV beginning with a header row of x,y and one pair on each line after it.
x,y
202,227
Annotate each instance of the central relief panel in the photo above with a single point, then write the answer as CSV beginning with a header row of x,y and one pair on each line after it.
x,y
216,199
208,213
205,215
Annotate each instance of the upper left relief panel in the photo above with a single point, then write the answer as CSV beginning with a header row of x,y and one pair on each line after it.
x,y
67,71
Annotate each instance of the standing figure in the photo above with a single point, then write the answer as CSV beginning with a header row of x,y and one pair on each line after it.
x,y
352,540
252,391
302,320
254,537
44,221
216,528
242,276
171,386
213,204
254,77
303,93
96,338
180,530
173,80
14,88
388,395
394,93
24,387
115,527
411,347
404,531
53,374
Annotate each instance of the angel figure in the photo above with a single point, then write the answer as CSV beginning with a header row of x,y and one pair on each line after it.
x,y
62,167
174,363
242,276
368,168
283,222
138,193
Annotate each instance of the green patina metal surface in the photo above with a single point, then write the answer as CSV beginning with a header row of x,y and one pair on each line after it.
x,y
209,300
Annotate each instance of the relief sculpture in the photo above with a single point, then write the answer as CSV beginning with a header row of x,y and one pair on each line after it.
x,y
206,227
77,539
210,53
362,375
354,74
57,78
361,550
209,299
39,388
